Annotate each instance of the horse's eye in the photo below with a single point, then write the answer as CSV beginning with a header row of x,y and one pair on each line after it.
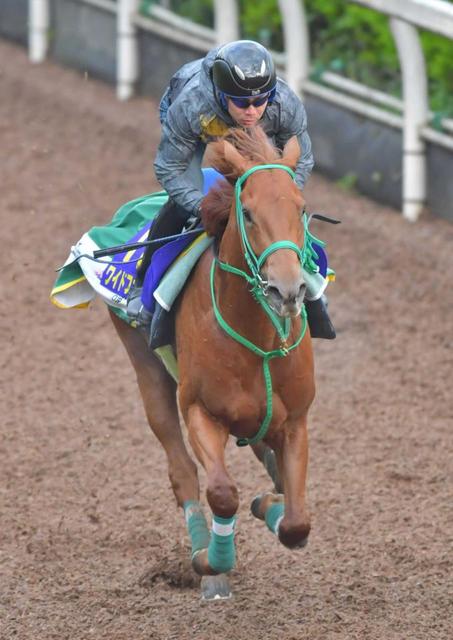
x,y
304,210
247,215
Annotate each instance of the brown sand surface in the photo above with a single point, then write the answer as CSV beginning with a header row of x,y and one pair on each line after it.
x,y
91,543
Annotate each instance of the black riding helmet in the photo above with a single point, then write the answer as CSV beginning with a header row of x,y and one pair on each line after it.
x,y
244,68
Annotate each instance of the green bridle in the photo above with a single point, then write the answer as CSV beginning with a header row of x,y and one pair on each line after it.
x,y
258,288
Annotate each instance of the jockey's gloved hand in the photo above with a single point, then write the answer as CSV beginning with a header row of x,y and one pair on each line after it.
x,y
192,222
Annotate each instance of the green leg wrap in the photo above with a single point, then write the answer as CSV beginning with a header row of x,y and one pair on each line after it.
x,y
196,525
221,551
273,516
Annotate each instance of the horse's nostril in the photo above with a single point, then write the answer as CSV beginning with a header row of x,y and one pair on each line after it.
x,y
274,292
287,297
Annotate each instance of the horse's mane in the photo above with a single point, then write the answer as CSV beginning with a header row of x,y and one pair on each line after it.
x,y
254,146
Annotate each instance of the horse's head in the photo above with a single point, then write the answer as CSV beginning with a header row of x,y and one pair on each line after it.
x,y
265,210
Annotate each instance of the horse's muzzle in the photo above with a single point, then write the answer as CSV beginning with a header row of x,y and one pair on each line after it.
x,y
286,301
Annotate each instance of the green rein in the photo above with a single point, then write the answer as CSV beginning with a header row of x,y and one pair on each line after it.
x,y
258,290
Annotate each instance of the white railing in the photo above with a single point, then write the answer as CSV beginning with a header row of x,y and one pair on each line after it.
x,y
126,49
432,15
226,20
38,29
405,16
416,109
296,38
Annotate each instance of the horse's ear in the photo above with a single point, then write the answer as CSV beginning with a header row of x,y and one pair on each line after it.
x,y
291,153
226,159
238,163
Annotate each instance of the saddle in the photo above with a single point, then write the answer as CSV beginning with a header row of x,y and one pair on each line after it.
x,y
165,278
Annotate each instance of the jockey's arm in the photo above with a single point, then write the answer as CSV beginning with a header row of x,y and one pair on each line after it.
x,y
294,123
178,161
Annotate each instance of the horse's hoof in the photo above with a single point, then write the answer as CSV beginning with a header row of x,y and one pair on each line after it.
x,y
262,502
300,545
294,538
201,565
255,507
295,546
215,588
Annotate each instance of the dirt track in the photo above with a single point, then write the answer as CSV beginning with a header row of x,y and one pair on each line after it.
x,y
91,543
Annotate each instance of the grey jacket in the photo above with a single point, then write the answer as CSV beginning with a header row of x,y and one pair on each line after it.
x,y
191,116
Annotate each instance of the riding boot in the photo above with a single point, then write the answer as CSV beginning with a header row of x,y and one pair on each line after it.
x,y
161,331
169,221
318,319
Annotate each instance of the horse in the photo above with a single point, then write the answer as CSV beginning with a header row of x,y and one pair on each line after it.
x,y
244,354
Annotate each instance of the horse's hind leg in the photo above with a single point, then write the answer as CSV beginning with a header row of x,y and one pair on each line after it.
x,y
159,398
158,392
261,503
268,459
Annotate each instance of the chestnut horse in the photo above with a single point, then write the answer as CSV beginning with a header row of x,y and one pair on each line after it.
x,y
244,352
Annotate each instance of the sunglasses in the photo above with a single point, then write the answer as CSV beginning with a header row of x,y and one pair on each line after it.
x,y
244,103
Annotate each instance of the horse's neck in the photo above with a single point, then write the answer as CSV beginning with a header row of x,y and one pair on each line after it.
x,y
235,300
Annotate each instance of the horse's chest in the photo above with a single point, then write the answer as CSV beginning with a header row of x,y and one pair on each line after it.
x,y
241,400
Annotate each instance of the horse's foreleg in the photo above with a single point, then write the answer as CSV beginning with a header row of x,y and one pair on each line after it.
x,y
294,527
288,518
208,439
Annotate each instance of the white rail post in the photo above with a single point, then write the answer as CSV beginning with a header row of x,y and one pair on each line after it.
x,y
226,21
416,115
126,49
297,43
38,29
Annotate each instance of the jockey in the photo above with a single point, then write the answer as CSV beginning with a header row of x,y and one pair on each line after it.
x,y
233,86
